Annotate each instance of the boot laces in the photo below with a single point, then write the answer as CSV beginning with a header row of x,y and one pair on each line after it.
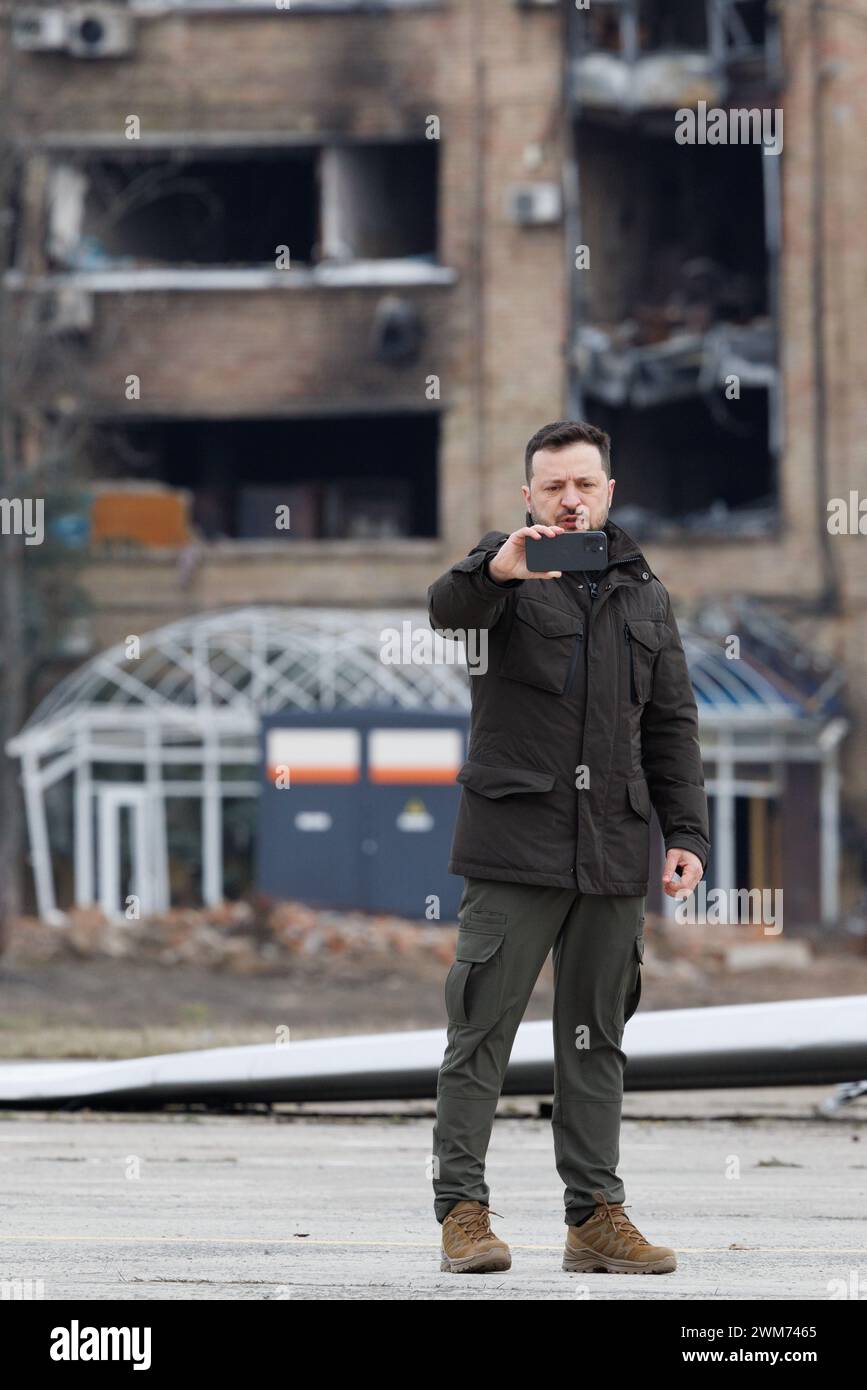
x,y
476,1220
620,1222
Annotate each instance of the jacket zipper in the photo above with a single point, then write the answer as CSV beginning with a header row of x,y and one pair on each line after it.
x,y
579,637
631,661
624,561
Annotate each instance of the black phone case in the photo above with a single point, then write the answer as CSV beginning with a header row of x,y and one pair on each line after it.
x,y
571,550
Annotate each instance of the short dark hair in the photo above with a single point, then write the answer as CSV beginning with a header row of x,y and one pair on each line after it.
x,y
563,432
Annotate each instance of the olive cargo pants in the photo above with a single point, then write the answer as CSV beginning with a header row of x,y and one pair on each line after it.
x,y
505,933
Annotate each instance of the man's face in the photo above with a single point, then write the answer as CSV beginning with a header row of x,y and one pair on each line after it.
x,y
569,488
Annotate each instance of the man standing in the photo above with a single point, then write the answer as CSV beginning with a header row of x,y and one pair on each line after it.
x,y
583,720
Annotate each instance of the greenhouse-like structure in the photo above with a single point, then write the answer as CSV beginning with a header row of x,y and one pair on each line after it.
x,y
141,770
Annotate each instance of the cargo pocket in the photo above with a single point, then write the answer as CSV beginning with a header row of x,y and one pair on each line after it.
x,y
644,637
474,985
633,999
543,645
630,990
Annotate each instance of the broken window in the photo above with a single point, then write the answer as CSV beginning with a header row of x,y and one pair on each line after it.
x,y
674,346
379,201
634,55
631,27
349,477
693,465
741,29
671,24
236,209
154,210
676,233
601,30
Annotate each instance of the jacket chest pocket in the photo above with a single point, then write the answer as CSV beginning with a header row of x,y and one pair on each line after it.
x,y
543,646
643,637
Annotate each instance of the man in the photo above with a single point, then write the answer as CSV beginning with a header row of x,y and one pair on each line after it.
x,y
583,720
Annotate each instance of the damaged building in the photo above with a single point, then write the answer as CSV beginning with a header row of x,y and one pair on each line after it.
x,y
291,288
677,307
103,223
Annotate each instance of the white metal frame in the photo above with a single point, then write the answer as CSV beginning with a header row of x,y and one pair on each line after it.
x,y
195,696
198,690
112,799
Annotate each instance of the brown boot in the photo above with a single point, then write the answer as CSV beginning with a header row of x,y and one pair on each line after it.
x,y
469,1245
608,1243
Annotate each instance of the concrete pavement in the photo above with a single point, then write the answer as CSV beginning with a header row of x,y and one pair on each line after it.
x,y
761,1199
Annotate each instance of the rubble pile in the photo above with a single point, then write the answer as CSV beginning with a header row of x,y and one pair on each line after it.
x,y
242,938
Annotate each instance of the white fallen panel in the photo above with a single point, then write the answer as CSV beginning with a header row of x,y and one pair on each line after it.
x,y
797,1042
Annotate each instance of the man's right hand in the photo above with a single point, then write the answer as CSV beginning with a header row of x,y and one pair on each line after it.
x,y
510,561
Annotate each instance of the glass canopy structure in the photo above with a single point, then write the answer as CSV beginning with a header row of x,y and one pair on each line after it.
x,y
177,718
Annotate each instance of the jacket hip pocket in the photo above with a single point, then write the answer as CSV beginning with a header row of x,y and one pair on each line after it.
x,y
474,984
627,833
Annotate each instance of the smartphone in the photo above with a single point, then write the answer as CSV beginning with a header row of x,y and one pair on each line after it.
x,y
571,550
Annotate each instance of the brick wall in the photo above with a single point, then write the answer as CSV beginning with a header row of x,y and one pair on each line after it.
x,y
492,73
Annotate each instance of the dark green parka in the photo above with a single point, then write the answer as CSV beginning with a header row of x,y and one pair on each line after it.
x,y
574,682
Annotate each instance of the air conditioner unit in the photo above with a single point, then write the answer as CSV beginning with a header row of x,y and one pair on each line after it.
x,y
99,31
534,204
38,31
67,310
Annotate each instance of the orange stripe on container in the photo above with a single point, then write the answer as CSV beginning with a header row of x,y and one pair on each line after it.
x,y
412,774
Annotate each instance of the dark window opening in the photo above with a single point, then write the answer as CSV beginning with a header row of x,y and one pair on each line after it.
x,y
239,837
379,201
184,840
12,238
746,24
691,465
354,477
629,28
157,211
601,31
671,24
339,204
677,233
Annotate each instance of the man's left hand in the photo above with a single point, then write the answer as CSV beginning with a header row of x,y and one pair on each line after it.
x,y
689,865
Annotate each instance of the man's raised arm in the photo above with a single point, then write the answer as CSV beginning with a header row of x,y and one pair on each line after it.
x,y
467,595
